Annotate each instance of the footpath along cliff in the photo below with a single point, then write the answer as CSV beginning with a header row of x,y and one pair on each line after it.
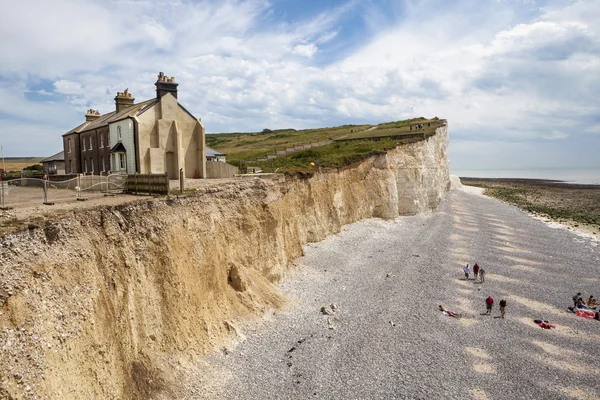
x,y
110,302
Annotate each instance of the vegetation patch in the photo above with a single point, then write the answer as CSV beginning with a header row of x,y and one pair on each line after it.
x,y
247,149
557,200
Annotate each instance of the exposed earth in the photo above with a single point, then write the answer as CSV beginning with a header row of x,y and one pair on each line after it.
x,y
380,334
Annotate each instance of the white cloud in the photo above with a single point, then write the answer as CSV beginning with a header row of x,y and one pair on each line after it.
x,y
305,50
509,73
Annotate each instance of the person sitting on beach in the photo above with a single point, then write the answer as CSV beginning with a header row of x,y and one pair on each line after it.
x,y
597,316
580,303
575,298
591,302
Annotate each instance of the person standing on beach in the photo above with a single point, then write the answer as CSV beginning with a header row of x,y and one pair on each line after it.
x,y
502,307
489,303
475,270
482,274
467,271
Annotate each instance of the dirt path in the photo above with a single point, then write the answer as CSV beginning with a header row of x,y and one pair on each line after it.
x,y
388,339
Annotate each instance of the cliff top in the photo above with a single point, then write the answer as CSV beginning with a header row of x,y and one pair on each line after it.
x,y
290,150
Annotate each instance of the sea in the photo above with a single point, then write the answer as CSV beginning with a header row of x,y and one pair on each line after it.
x,y
576,176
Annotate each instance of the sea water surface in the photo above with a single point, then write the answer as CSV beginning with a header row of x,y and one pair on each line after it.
x,y
580,176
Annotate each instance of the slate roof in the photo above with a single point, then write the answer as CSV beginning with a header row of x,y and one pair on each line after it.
x,y
57,157
127,112
212,153
118,148
77,129
114,116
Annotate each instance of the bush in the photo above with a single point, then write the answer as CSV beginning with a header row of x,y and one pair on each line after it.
x,y
34,168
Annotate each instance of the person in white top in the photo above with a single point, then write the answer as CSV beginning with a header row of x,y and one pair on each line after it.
x,y
467,271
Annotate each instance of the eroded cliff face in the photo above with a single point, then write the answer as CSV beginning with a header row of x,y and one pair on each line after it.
x,y
107,303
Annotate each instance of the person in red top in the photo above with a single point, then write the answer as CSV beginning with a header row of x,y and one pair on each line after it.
x,y
475,270
489,303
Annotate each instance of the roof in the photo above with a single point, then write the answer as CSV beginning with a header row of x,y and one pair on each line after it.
x,y
114,116
118,148
212,153
77,129
57,157
127,112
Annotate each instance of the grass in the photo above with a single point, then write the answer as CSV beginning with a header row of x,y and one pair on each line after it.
x,y
243,148
16,164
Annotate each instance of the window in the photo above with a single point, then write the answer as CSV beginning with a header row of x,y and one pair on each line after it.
x,y
90,142
70,163
83,144
92,164
122,160
85,165
114,162
102,163
69,141
101,140
118,132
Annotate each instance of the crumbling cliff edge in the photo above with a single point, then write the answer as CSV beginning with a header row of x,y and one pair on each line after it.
x,y
105,303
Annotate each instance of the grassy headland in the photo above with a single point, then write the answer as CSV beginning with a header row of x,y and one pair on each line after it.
x,y
351,143
562,202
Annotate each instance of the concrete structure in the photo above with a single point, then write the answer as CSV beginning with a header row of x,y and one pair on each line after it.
x,y
54,164
155,136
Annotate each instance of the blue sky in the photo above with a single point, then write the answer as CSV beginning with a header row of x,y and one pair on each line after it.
x,y
518,81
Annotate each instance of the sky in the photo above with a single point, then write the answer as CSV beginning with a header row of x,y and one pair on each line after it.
x,y
517,80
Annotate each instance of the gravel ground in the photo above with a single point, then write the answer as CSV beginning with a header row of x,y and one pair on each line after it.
x,y
389,341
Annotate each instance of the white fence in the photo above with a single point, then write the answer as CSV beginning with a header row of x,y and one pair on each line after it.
x,y
27,191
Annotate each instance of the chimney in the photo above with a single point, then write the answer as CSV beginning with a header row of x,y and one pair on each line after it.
x,y
91,115
123,100
165,85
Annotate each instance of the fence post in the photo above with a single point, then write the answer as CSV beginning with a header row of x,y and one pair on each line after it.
x,y
180,180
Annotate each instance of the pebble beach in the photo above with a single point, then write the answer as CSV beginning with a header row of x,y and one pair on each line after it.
x,y
362,318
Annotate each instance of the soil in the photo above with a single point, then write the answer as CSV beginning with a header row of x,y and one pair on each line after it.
x,y
25,205
575,206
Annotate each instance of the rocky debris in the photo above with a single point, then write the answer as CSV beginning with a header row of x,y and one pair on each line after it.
x,y
392,323
332,322
329,310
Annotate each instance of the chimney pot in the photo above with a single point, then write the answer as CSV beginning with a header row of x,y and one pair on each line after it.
x,y
165,85
123,100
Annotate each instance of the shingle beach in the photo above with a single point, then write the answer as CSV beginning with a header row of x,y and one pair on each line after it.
x,y
380,334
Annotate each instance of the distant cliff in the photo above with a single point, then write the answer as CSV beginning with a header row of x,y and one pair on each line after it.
x,y
110,302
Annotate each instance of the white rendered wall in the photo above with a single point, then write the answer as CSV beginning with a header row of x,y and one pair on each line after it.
x,y
127,138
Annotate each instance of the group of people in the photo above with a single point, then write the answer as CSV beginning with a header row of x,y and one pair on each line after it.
x,y
478,272
585,308
489,304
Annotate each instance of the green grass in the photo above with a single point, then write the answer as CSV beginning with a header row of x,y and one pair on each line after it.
x,y
242,148
334,155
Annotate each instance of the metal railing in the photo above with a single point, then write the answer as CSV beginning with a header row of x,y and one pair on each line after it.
x,y
28,191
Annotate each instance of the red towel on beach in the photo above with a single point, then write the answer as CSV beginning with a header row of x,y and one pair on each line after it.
x,y
585,314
